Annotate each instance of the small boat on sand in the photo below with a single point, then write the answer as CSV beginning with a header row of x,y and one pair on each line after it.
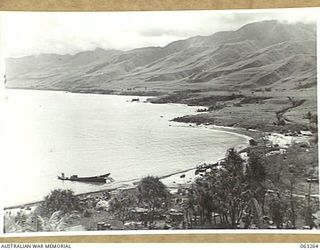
x,y
97,178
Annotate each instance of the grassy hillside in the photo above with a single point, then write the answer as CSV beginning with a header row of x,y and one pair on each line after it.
x,y
269,60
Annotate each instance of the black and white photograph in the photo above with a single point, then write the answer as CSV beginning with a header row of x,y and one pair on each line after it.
x,y
137,121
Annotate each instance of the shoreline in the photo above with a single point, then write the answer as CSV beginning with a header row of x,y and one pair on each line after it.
x,y
151,94
133,183
237,131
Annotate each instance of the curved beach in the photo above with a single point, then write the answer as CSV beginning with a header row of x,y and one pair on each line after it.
x,y
172,180
94,134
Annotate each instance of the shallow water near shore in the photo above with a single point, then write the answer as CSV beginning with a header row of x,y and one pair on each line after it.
x,y
44,133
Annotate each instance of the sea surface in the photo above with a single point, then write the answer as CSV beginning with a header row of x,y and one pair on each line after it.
x,y
44,133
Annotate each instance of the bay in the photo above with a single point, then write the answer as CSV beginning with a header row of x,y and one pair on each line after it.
x,y
44,133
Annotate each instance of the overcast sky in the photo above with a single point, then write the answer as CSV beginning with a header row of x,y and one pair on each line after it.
x,y
31,33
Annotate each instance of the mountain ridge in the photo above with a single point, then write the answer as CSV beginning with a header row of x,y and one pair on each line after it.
x,y
244,77
195,60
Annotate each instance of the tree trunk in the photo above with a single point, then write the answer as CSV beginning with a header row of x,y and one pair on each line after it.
x,y
263,203
226,220
152,215
209,217
292,210
233,216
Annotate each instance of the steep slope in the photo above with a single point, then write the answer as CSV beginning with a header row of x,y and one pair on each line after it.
x,y
264,66
256,55
262,34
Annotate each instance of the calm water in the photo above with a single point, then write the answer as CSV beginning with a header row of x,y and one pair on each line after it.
x,y
44,133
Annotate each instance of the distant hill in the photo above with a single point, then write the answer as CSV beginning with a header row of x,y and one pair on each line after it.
x,y
261,54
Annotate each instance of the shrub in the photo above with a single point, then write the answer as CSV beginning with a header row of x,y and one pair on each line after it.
x,y
59,200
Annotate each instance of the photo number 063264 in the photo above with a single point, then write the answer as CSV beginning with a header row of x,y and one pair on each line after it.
x,y
180,120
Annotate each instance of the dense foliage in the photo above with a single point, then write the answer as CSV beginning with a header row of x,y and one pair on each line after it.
x,y
122,205
223,192
59,200
255,190
153,194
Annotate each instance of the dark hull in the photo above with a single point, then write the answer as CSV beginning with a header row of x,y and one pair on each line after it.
x,y
94,177
100,178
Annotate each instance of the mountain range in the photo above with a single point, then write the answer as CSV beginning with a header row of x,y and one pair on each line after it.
x,y
266,54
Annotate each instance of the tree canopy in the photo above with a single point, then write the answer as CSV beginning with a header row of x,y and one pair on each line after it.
x,y
59,200
153,194
122,204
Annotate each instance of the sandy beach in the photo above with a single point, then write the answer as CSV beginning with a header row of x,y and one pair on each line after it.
x,y
173,181
207,124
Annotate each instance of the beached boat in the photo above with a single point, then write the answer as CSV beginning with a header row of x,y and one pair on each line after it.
x,y
97,178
